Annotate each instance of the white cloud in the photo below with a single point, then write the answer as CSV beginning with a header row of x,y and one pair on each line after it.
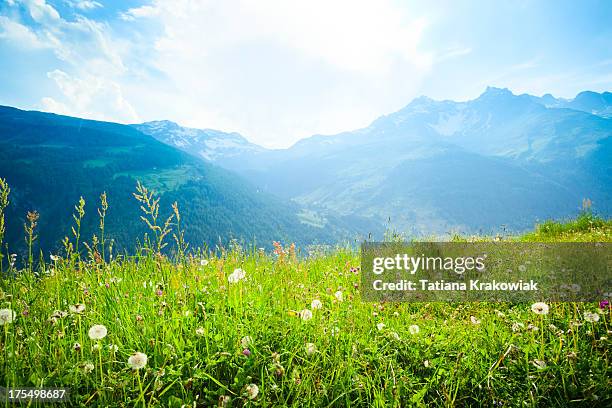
x,y
17,33
93,87
86,5
41,12
90,97
277,70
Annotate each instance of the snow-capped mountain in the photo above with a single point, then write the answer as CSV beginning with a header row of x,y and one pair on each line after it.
x,y
211,145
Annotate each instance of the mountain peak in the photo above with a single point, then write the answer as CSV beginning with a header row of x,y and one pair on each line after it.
x,y
492,91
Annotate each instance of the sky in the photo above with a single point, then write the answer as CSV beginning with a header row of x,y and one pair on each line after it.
x,y
277,71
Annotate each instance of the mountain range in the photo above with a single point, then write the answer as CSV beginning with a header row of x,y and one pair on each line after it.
x,y
50,161
500,161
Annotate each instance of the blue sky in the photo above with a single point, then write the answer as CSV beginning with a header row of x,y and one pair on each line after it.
x,y
279,70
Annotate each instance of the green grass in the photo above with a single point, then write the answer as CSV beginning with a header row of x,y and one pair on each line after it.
x,y
191,323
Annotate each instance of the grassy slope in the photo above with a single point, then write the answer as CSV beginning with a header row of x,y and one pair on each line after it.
x,y
451,361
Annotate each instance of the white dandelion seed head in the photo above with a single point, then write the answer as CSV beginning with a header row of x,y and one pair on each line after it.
x,y
113,348
380,326
414,329
306,314
540,308
200,332
137,360
246,341
236,276
203,262
97,332
474,320
252,390
591,317
311,348
316,304
87,367
339,296
7,316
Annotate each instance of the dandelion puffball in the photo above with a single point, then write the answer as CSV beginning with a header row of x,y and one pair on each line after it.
x,y
306,314
316,304
540,308
7,316
311,348
252,390
246,341
414,329
97,332
591,317
236,276
338,295
137,360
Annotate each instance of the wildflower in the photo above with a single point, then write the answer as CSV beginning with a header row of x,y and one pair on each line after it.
x,y
246,341
97,332
414,329
522,268
252,390
87,367
77,347
591,317
236,276
54,258
539,364
395,335
306,314
137,360
604,304
159,292
311,349
474,320
426,363
316,304
139,318
338,295
380,326
199,332
203,262
246,352
113,348
7,316
539,308
77,308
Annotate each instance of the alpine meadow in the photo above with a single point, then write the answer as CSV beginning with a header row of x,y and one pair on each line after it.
x,y
322,203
